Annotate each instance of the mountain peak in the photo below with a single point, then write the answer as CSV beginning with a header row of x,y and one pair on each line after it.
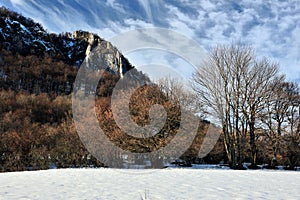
x,y
23,37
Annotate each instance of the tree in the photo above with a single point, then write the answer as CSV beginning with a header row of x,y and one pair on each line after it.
x,y
176,90
293,128
278,113
260,83
233,85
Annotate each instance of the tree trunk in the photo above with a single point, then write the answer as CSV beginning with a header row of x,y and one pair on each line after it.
x,y
229,147
253,146
274,159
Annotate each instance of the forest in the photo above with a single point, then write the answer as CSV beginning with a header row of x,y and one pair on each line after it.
x,y
258,109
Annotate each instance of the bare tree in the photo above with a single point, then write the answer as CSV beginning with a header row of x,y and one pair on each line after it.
x,y
218,85
258,90
293,128
233,86
176,90
274,116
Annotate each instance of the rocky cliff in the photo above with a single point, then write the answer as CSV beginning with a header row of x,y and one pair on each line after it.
x,y
36,61
115,61
22,35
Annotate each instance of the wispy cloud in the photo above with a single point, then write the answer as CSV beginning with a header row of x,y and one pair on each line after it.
x,y
17,2
146,5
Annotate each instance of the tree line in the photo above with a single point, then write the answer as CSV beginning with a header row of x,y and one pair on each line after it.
x,y
36,126
257,108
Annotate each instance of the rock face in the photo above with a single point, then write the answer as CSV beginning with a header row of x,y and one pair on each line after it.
x,y
92,39
114,60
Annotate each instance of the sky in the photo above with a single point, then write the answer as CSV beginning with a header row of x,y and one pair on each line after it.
x,y
271,27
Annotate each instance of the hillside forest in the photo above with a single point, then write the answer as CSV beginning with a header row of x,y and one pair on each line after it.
x,y
257,109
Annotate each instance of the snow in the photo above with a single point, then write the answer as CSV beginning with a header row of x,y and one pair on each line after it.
x,y
43,43
150,184
68,43
23,27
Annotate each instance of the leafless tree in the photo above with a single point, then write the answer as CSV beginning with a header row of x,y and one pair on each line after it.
x,y
178,91
273,116
233,85
258,90
293,128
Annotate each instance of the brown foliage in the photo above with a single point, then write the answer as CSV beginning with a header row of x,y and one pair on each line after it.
x,y
37,131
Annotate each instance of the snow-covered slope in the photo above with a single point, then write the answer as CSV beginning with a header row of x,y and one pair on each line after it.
x,y
162,184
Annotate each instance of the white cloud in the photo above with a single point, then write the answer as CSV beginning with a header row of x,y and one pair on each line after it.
x,y
145,4
17,2
137,23
115,5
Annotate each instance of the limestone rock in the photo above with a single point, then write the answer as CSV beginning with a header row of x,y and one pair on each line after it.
x,y
113,60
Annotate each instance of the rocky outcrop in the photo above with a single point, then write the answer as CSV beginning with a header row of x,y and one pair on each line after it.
x,y
114,60
91,38
24,36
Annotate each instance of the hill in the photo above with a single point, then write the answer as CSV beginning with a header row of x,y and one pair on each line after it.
x,y
37,74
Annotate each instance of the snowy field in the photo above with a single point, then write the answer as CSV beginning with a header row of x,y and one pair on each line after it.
x,y
147,184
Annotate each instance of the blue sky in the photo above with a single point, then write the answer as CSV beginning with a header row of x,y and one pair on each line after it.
x,y
271,27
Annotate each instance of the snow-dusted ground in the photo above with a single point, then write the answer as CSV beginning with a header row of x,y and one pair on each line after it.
x,y
146,184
